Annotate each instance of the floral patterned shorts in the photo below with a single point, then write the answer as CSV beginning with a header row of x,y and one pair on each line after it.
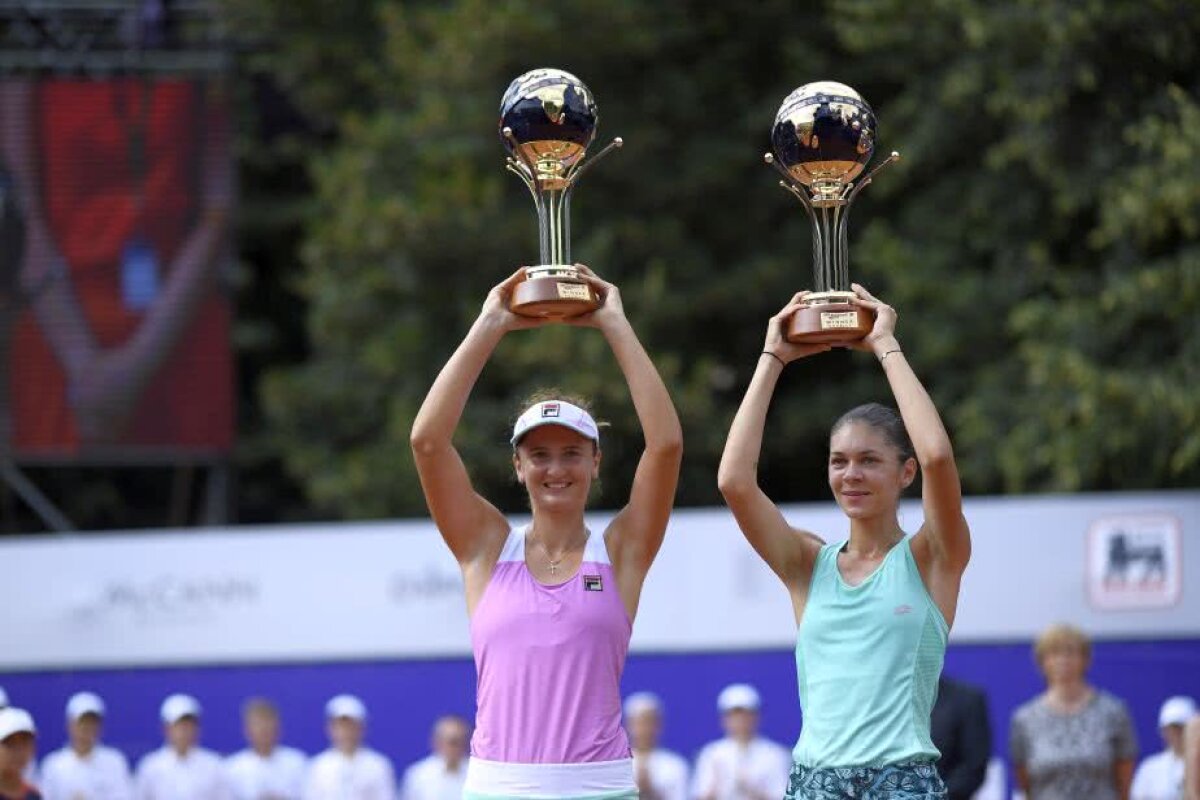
x,y
912,780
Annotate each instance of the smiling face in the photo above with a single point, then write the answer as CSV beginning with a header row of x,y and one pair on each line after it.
x,y
557,466
866,472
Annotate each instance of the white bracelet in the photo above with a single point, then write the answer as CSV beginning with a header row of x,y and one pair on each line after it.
x,y
883,357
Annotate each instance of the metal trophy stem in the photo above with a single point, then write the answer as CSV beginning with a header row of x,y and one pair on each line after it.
x,y
828,209
551,183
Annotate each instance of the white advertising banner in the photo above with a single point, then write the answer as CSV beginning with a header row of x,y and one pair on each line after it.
x,y
1117,565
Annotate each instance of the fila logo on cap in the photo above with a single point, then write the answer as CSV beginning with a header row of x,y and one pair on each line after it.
x,y
549,410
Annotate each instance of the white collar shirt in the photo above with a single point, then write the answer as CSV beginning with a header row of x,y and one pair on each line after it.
x,y
366,775
666,773
103,774
728,770
432,779
278,776
165,775
1159,777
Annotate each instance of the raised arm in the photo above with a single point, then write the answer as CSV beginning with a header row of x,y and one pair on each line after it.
x,y
470,524
636,533
944,541
789,552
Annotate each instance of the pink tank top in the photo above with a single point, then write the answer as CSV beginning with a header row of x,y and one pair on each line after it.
x,y
549,660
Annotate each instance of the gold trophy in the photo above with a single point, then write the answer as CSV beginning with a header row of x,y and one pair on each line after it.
x,y
547,120
823,137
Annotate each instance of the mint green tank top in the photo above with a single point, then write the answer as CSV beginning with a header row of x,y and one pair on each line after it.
x,y
867,663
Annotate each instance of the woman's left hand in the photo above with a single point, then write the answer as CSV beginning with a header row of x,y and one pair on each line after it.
x,y
611,309
883,334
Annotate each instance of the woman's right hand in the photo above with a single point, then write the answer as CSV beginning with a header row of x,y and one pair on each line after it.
x,y
776,342
496,308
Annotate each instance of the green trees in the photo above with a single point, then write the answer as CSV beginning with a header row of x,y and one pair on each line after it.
x,y
1040,236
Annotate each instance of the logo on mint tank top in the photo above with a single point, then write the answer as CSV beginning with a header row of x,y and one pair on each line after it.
x,y
592,583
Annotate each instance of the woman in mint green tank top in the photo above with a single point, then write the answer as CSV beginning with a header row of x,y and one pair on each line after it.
x,y
872,612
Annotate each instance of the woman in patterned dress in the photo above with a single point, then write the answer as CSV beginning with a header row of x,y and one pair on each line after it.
x,y
1073,741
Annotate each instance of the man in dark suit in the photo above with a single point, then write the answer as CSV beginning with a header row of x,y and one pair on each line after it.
x,y
962,732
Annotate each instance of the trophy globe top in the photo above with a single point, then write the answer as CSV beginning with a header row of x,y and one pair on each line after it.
x,y
548,118
824,135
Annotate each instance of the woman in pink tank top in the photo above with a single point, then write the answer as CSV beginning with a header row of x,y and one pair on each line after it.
x,y
552,603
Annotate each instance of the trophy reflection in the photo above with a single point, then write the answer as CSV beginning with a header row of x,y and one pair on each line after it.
x,y
823,137
547,120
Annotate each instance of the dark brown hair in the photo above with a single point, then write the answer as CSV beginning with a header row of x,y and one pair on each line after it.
x,y
884,419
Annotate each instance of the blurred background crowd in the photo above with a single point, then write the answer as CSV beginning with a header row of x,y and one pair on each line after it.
x,y
1071,727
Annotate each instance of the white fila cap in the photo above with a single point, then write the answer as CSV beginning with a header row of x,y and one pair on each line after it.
x,y
556,412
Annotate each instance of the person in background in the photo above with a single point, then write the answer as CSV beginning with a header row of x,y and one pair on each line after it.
x,y
1160,776
85,769
266,770
348,770
962,733
743,765
181,769
442,774
18,744
1072,742
660,774
31,770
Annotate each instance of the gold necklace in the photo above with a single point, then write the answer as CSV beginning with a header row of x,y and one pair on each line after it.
x,y
555,562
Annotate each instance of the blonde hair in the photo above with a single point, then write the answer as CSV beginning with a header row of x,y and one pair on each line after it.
x,y
1061,636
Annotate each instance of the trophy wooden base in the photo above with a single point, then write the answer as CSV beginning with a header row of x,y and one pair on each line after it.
x,y
829,322
556,296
